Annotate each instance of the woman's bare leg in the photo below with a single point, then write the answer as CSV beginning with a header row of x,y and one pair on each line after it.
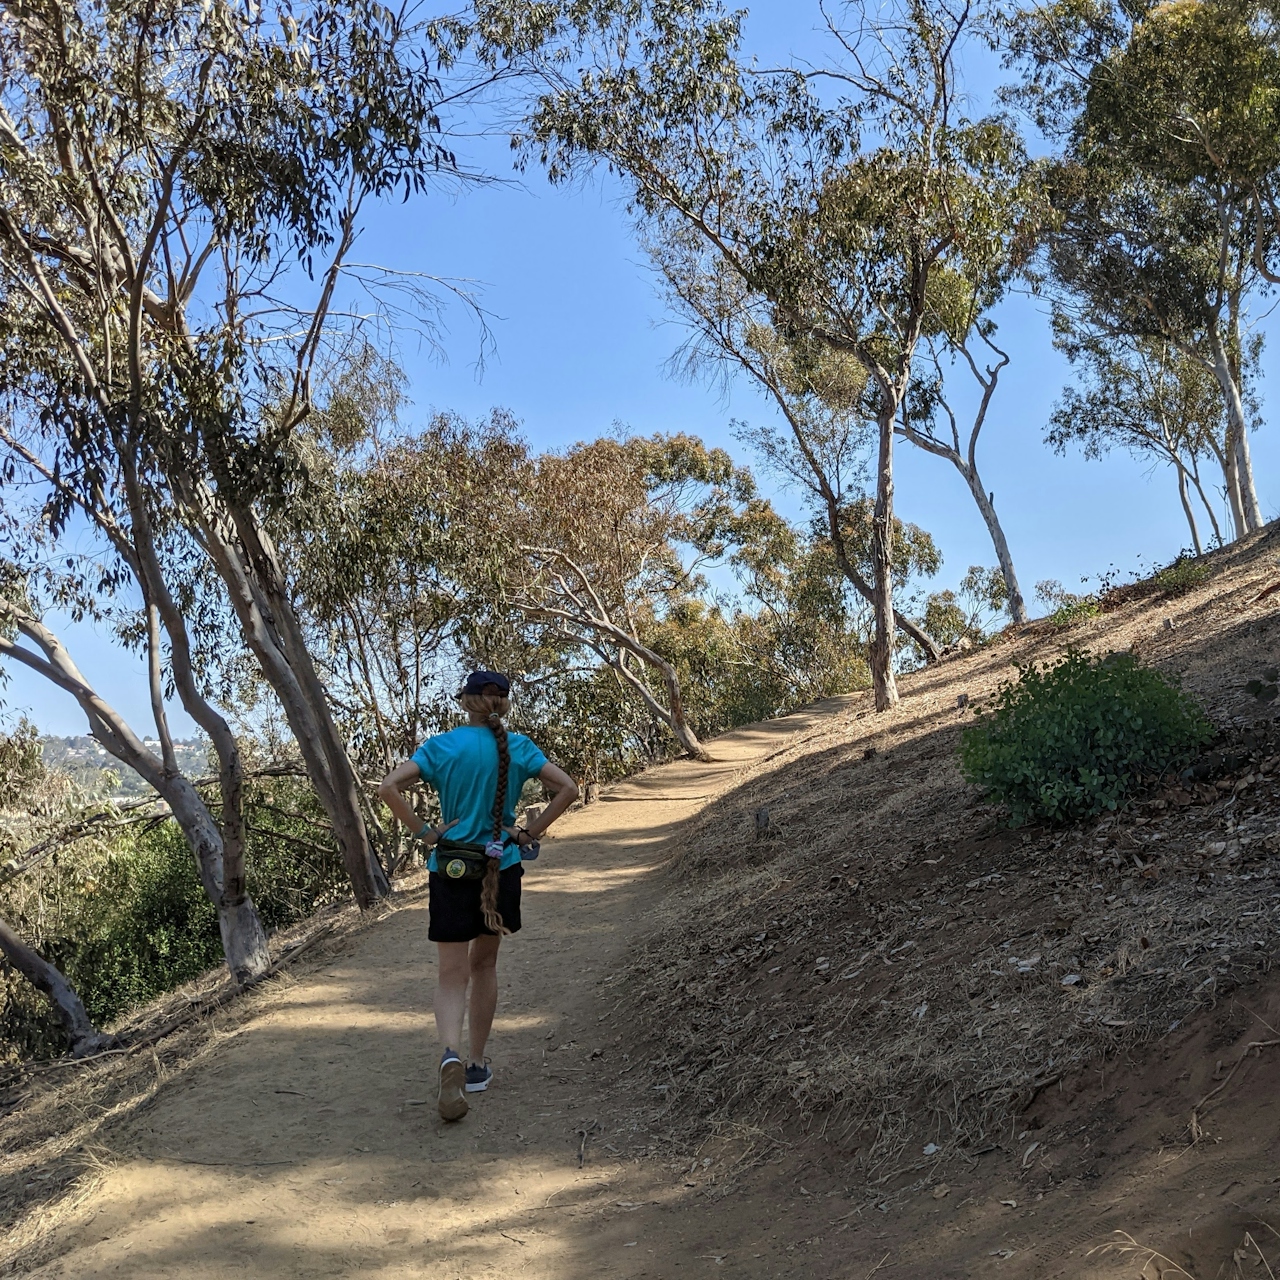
x,y
484,991
452,973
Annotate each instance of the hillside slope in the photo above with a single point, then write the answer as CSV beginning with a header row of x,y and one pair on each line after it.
x,y
935,1017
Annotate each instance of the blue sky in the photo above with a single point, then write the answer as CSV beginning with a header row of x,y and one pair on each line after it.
x,y
582,342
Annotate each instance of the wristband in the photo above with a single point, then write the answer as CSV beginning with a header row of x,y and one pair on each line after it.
x,y
426,826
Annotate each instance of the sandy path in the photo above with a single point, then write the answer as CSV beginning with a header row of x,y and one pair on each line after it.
x,y
307,1144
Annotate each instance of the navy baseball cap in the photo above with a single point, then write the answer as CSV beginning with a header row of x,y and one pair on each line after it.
x,y
479,681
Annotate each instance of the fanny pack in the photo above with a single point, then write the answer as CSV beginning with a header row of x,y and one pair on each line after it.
x,y
459,860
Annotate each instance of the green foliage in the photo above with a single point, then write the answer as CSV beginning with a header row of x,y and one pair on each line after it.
x,y
294,865
141,927
1072,739
1183,575
126,918
969,613
1066,608
1070,612
1195,93
124,923
21,767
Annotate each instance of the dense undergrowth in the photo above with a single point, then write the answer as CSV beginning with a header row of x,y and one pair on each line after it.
x,y
121,911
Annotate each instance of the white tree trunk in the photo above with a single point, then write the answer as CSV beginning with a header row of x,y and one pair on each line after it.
x,y
1237,426
882,679
1185,496
244,940
84,1037
1248,490
1017,604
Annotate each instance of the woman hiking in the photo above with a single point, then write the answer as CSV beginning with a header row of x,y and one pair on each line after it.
x,y
479,770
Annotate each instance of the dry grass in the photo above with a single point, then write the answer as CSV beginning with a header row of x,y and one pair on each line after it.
x,y
893,967
1248,1260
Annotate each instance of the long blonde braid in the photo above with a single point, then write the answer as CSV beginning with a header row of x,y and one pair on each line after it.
x,y
492,708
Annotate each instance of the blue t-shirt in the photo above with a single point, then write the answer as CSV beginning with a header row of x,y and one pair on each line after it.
x,y
462,765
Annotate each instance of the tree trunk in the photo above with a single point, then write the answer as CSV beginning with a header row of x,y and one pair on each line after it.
x,y
927,645
1236,427
886,689
1208,506
1188,511
346,815
672,716
220,850
248,958
1248,490
685,735
257,593
84,1037
1017,605
244,940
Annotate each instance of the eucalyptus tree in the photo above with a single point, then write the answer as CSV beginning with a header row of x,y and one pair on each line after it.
x,y
181,188
218,844
1169,117
611,538
1147,397
834,218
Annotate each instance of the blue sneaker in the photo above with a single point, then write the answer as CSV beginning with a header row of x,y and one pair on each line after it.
x,y
478,1076
452,1102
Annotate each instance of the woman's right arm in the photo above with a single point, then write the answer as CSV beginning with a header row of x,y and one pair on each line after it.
x,y
391,793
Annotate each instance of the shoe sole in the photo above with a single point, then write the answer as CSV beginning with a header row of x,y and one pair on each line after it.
x,y
478,1088
452,1103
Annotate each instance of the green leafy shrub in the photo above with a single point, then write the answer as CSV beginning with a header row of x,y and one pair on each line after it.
x,y
144,927
1066,608
127,919
1181,576
1070,740
1074,610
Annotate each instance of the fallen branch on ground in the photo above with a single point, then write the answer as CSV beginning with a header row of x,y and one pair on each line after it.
x,y
1195,1111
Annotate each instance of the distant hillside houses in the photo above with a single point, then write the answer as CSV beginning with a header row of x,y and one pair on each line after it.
x,y
95,770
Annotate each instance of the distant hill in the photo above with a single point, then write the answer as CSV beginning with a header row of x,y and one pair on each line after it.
x,y
95,770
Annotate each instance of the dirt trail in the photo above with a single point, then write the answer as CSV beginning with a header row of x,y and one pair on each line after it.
x,y
306,1142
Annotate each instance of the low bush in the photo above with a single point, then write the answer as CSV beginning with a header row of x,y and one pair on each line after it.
x,y
1181,576
1077,609
144,926
1070,740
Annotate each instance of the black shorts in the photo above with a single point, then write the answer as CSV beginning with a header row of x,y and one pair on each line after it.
x,y
454,906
